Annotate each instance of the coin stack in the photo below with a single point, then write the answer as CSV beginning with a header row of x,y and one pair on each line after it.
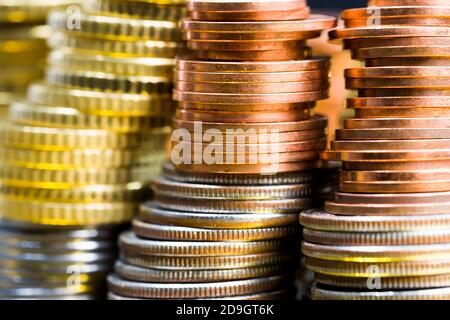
x,y
78,155
386,234
23,45
223,222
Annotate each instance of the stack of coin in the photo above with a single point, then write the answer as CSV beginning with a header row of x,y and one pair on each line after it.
x,y
53,263
244,159
23,45
386,234
81,151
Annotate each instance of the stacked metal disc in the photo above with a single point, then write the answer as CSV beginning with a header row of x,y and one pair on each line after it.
x,y
386,234
227,228
23,46
78,155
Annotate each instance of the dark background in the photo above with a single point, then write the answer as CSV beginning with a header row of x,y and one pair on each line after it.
x,y
337,4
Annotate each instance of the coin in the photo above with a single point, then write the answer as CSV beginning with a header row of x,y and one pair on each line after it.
x,y
314,22
277,14
164,232
374,254
152,214
252,66
378,239
322,220
429,294
387,209
245,6
140,274
387,282
218,289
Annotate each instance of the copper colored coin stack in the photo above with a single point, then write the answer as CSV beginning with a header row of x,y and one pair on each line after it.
x,y
386,235
220,226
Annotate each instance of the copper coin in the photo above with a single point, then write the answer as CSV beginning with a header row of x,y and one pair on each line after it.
x,y
224,37
396,42
253,45
274,107
252,88
397,11
401,21
281,137
395,186
437,175
402,92
393,3
387,210
244,5
402,112
396,73
271,55
265,158
389,32
299,13
230,98
412,102
395,198
400,52
239,117
389,165
408,61
316,122
249,148
393,83
252,66
379,123
251,169
314,22
380,155
392,133
256,77
391,144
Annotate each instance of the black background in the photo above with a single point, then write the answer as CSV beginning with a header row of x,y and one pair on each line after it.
x,y
339,4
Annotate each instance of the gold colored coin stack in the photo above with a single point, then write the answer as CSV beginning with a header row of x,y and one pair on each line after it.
x,y
225,228
23,46
78,155
386,234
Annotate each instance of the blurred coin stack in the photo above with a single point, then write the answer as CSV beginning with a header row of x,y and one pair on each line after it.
x,y
223,220
23,46
386,235
78,155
